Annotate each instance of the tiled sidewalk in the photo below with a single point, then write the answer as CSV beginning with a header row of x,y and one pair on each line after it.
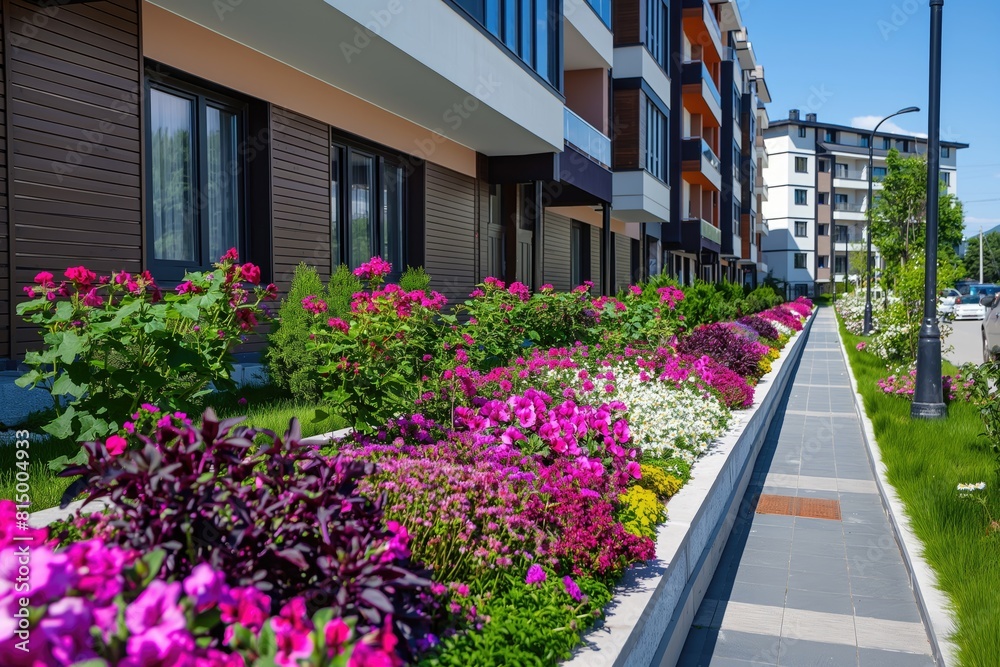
x,y
800,591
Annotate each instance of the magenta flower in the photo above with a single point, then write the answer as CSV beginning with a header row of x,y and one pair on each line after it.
x,y
250,273
187,286
156,607
246,606
116,444
80,276
157,647
374,269
535,575
149,407
314,305
338,324
205,586
242,401
293,633
92,298
231,254
44,278
861,346
336,633
66,626
572,589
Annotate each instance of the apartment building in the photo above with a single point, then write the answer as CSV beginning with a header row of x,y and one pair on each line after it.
x,y
522,139
817,205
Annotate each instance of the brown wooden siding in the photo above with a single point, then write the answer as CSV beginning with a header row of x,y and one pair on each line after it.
x,y
623,261
74,77
5,266
557,256
627,144
300,184
450,247
627,18
483,192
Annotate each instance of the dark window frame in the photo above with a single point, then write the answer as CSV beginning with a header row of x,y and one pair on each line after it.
x,y
804,226
795,260
412,172
172,271
801,160
580,266
805,197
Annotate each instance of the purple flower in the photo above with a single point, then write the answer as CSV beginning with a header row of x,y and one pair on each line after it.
x,y
156,607
536,575
572,589
206,586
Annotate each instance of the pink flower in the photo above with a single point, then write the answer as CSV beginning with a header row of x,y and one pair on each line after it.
x,y
187,286
536,575
520,290
205,586
80,276
242,401
572,589
635,289
338,324
66,626
337,633
44,278
92,298
149,407
250,273
314,305
157,647
374,269
231,254
156,607
292,633
116,445
861,346
246,606
129,427
30,291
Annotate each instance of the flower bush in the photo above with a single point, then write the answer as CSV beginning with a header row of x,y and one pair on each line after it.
x,y
91,601
737,352
266,510
374,361
116,341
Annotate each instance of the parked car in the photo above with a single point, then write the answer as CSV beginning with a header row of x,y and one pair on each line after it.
x,y
991,326
967,303
946,302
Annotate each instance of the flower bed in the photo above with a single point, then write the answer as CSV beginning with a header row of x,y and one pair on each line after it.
x,y
488,528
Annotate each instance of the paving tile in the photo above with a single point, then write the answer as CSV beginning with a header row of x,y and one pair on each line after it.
x,y
818,626
831,603
868,657
744,617
743,646
759,574
819,564
822,582
758,594
802,653
893,571
880,588
887,608
892,635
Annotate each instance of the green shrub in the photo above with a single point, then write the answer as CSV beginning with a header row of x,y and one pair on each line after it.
x,y
762,298
342,286
415,279
288,359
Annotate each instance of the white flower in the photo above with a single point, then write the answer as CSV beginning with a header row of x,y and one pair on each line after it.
x,y
967,488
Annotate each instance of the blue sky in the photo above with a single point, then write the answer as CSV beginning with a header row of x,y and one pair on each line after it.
x,y
850,59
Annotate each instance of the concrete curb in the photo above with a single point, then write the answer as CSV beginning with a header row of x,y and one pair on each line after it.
x,y
931,601
655,603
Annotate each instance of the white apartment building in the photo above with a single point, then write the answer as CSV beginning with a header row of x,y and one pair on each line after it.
x,y
817,204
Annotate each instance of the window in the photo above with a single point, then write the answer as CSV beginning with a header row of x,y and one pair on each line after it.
x,y
839,264
802,131
823,198
946,177
823,261
824,166
196,177
903,145
823,229
841,198
736,218
802,165
737,161
863,140
879,173
801,198
801,229
946,151
368,203
526,28
886,143
656,141
840,170
579,253
657,31
737,104
830,136
800,260
802,289
841,234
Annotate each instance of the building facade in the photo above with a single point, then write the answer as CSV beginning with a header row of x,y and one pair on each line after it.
x,y
817,205
522,139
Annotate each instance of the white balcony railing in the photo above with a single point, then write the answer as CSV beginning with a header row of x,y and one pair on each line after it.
x,y
585,137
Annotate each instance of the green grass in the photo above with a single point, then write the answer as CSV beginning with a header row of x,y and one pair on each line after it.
x,y
925,462
266,407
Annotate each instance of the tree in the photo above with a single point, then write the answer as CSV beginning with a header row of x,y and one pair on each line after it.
x,y
899,214
991,258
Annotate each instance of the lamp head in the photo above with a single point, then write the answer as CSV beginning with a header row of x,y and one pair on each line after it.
x,y
907,110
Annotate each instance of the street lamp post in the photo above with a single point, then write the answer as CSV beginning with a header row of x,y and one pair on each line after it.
x,y
871,179
928,400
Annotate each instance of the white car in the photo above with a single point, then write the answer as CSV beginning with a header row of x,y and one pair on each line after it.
x,y
946,302
967,304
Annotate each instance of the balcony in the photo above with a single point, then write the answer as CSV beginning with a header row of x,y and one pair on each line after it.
x,y
699,164
702,28
851,174
763,228
586,138
848,207
638,196
695,232
701,95
603,10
